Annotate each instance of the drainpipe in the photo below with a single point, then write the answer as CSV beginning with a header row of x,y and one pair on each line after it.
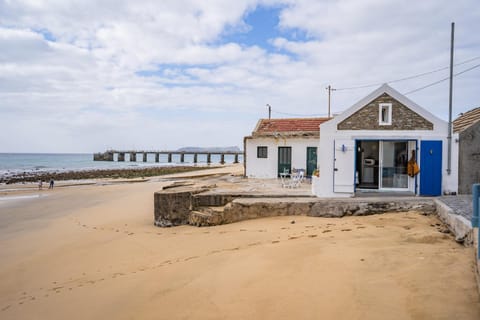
x,y
449,138
476,213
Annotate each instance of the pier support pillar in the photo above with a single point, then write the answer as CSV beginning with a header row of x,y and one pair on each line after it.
x,y
236,158
169,158
182,157
209,158
222,159
195,158
121,156
144,157
133,156
157,157
105,156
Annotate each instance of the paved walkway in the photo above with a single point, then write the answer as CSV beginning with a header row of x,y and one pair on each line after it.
x,y
461,205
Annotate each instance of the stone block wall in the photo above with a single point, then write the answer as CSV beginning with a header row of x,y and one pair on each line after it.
x,y
403,118
173,207
469,159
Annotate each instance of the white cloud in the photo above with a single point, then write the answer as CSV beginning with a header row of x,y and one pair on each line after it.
x,y
72,67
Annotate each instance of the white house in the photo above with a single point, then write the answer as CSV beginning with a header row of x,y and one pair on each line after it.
x,y
277,145
368,146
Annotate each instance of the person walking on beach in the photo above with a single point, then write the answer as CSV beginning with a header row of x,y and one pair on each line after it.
x,y
40,184
51,184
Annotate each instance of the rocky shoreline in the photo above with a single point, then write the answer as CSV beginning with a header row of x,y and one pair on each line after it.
x,y
99,174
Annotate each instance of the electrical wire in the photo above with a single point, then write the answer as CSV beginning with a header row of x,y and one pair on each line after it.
x,y
444,79
402,79
407,78
299,115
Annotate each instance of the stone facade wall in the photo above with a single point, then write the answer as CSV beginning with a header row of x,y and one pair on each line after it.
x,y
469,159
403,118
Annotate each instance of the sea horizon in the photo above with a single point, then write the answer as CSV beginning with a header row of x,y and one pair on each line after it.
x,y
13,164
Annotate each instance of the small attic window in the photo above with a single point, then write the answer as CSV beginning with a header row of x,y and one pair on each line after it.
x,y
385,114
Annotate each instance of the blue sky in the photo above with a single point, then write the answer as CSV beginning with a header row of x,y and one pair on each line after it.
x,y
83,76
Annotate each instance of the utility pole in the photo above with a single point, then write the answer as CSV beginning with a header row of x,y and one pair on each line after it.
x,y
269,111
449,137
330,89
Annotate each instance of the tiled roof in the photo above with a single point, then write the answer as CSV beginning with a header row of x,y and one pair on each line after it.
x,y
466,119
292,126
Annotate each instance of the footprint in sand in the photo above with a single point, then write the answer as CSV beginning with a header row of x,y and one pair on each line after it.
x,y
360,227
275,241
325,231
346,229
5,308
312,235
293,238
254,244
190,258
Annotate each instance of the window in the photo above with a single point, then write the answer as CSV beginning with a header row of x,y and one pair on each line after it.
x,y
385,114
262,152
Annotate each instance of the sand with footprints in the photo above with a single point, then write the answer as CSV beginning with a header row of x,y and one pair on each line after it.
x,y
92,252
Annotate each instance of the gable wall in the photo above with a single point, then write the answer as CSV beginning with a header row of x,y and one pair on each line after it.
x,y
469,159
403,118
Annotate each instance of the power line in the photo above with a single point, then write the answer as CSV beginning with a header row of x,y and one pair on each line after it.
x,y
407,78
299,115
444,79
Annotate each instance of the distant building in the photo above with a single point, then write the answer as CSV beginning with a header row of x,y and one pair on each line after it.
x,y
279,145
368,147
467,126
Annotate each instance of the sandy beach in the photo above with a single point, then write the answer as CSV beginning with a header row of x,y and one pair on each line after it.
x,y
92,252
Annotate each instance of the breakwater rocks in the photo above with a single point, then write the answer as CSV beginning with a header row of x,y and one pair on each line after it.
x,y
98,174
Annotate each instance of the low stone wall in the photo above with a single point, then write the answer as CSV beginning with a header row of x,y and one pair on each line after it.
x,y
247,208
173,207
460,227
197,206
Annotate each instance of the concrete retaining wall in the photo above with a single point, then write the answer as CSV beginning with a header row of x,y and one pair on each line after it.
x,y
461,227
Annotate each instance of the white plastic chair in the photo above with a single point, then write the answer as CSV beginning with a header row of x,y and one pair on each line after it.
x,y
296,179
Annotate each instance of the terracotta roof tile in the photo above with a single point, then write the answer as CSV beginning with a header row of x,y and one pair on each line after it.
x,y
466,119
289,126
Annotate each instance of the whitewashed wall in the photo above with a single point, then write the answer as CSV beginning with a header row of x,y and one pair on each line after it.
x,y
267,168
323,187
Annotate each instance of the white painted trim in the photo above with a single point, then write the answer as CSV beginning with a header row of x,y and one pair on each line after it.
x,y
380,108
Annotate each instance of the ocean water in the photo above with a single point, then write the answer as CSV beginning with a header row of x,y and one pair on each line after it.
x,y
18,163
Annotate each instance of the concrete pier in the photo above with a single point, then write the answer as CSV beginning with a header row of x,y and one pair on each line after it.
x,y
109,155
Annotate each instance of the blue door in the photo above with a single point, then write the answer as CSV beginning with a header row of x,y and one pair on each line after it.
x,y
431,168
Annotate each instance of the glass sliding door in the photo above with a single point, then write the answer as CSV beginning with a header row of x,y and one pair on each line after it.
x,y
393,165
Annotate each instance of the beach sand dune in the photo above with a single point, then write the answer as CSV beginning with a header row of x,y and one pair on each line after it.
x,y
92,252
